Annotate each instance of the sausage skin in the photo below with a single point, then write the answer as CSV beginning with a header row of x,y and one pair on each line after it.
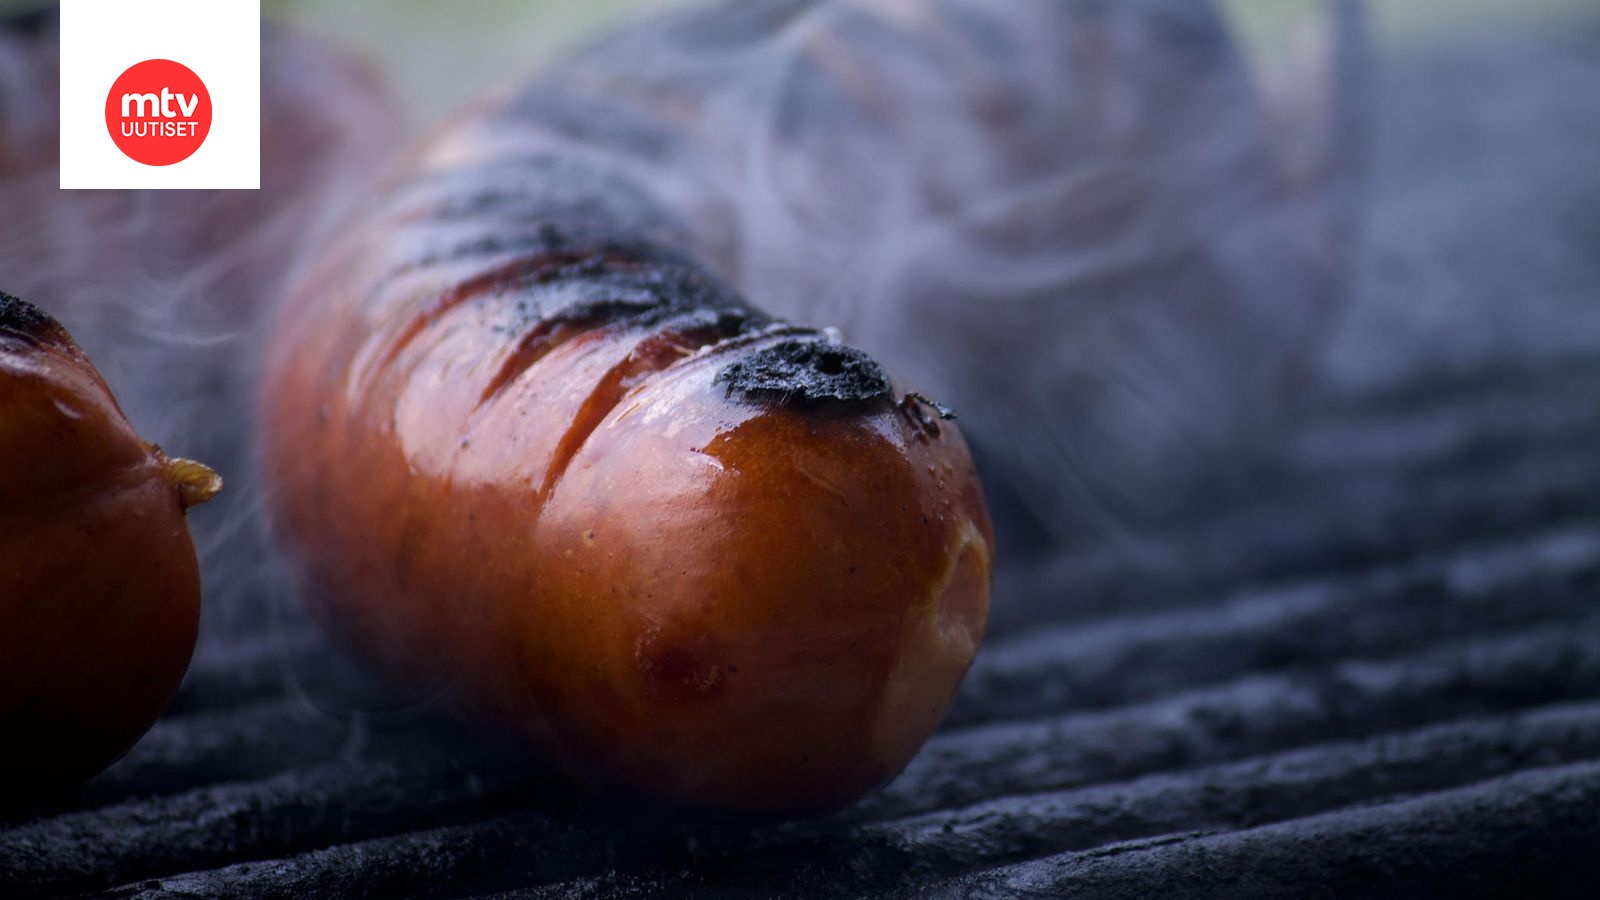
x,y
526,448
99,587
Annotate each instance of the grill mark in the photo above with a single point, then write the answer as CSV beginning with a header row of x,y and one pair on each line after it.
x,y
759,331
525,272
641,296
551,332
655,353
535,238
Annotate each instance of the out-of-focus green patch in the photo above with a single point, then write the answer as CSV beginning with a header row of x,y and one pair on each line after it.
x,y
1273,22
442,55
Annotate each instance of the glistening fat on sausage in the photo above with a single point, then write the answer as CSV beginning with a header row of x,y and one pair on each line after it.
x,y
524,445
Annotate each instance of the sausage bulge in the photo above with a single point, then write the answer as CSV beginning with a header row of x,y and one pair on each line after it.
x,y
99,587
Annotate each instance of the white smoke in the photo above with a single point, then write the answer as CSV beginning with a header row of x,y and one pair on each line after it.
x,y
1095,228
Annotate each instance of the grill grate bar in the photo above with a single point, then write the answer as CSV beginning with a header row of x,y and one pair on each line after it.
x,y
1259,715
1121,659
1444,426
1534,829
1249,716
251,742
1256,791
348,800
519,848
1376,521
914,855
279,816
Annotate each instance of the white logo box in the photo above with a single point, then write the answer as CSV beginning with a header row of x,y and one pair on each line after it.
x,y
219,39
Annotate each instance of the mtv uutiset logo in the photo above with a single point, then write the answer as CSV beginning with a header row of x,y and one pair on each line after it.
x,y
160,94
158,128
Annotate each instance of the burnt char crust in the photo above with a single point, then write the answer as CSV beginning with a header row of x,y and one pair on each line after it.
x,y
807,371
23,319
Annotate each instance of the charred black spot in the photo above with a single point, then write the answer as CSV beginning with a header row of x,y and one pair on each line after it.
x,y
20,317
807,371
648,291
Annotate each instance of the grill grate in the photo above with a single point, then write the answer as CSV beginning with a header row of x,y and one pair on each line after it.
x,y
1376,672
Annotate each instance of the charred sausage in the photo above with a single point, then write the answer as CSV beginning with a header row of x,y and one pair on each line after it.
x,y
527,447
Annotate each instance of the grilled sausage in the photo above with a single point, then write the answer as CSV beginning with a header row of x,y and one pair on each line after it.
x,y
99,588
528,448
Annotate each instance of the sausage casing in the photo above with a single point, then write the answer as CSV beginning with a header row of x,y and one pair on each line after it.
x,y
99,587
526,447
